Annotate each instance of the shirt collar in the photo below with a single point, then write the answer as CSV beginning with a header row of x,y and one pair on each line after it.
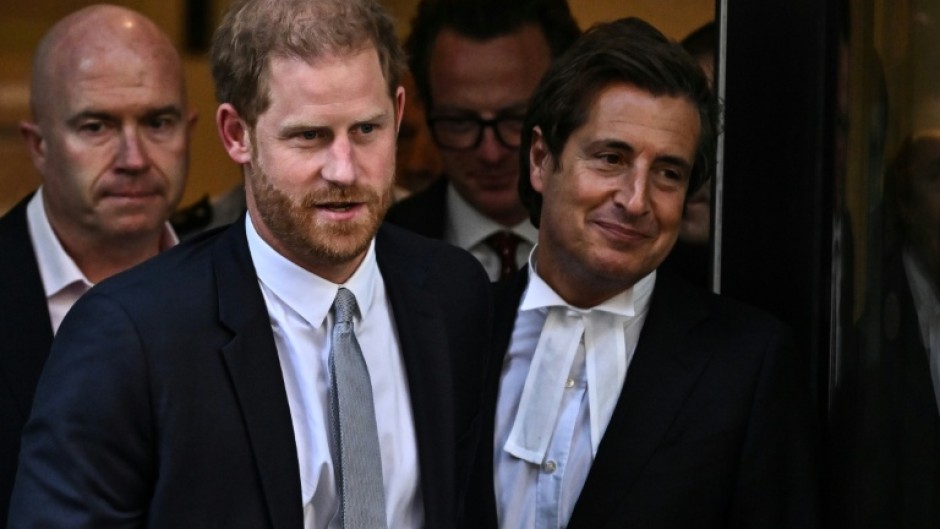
x,y
56,267
629,303
603,330
467,227
308,294
168,238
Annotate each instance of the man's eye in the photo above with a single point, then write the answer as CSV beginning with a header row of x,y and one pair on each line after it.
x,y
512,124
455,126
367,128
611,158
309,135
161,123
673,175
92,127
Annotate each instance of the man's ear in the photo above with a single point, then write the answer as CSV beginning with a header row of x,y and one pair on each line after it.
x,y
399,107
540,160
234,133
35,144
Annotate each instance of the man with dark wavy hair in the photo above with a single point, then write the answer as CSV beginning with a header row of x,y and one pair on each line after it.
x,y
305,367
625,397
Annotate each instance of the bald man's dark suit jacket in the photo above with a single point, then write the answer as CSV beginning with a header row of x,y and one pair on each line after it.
x,y
712,428
162,404
25,338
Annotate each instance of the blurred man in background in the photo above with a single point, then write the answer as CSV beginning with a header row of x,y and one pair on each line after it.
x,y
475,65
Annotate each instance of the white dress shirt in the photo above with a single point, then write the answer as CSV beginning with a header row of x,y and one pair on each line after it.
x,y
927,305
468,228
537,488
299,305
61,278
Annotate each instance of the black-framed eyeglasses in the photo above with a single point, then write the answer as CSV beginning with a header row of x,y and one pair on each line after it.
x,y
464,133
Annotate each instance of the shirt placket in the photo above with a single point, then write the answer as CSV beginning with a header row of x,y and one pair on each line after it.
x,y
551,474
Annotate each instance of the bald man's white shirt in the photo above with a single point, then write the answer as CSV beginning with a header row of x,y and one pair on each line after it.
x,y
62,280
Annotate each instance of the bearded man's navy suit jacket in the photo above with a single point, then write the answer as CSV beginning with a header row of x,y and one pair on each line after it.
x,y
162,404
713,427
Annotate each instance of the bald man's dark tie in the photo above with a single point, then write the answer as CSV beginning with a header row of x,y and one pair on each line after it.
x,y
505,243
362,495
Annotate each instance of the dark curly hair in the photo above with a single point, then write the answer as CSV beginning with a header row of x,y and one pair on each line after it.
x,y
628,51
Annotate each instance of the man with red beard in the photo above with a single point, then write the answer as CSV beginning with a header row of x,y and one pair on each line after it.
x,y
220,384
109,137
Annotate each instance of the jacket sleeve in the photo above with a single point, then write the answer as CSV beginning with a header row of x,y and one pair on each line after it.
x,y
87,456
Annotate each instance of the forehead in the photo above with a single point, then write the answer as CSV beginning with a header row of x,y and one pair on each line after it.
x,y
117,80
335,84
624,112
483,73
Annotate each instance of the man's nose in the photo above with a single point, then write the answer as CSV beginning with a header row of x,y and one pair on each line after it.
x,y
132,155
491,150
339,167
634,195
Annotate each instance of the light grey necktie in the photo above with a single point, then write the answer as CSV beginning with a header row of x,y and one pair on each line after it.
x,y
362,496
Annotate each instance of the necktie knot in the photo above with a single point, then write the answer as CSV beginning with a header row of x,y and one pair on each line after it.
x,y
566,331
344,307
504,243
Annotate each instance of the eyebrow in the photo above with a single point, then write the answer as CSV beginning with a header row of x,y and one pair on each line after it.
x,y
102,115
89,114
378,116
172,110
511,110
292,127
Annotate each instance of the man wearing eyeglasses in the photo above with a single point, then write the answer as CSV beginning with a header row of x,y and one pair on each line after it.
x,y
475,65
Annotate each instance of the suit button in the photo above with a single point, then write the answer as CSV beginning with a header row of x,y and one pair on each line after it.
x,y
549,466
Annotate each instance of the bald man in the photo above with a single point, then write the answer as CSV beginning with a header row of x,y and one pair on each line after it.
x,y
109,137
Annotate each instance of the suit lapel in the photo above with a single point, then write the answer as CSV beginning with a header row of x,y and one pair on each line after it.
x,y
25,328
255,372
663,372
507,294
423,347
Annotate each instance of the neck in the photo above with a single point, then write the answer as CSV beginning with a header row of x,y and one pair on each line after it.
x,y
579,287
333,272
510,218
99,260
